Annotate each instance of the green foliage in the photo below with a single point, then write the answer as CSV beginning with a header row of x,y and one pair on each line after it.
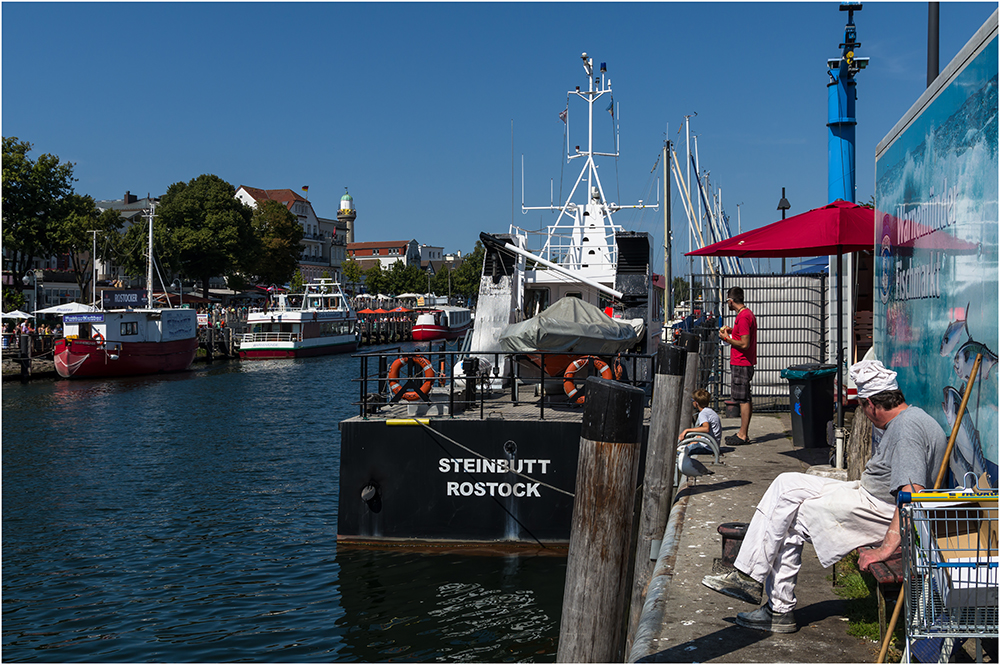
x,y
34,192
352,272
297,283
207,230
13,299
280,236
375,279
465,279
70,234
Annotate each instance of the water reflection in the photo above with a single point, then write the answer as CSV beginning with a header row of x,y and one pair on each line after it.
x,y
482,608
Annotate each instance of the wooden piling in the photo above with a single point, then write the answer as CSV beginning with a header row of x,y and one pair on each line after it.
x,y
658,482
595,597
691,343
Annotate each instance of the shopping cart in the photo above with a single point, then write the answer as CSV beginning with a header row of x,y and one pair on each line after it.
x,y
949,542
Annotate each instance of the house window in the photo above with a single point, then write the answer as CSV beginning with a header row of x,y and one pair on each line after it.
x,y
130,328
374,252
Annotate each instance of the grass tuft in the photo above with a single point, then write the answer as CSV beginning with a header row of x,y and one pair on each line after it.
x,y
859,590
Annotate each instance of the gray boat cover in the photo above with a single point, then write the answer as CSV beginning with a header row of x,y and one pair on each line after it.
x,y
571,326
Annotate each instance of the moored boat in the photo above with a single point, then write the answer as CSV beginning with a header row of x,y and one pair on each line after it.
x,y
441,323
126,342
317,322
480,453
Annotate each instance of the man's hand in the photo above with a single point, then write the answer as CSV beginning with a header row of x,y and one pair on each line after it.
x,y
868,557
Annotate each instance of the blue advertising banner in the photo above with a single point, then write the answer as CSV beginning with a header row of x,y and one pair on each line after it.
x,y
937,267
83,318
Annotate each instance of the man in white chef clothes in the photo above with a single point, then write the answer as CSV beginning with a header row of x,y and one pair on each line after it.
x,y
836,516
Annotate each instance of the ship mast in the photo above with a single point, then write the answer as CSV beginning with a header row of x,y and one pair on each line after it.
x,y
149,257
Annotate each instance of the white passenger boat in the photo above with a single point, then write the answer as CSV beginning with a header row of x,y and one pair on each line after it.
x,y
317,322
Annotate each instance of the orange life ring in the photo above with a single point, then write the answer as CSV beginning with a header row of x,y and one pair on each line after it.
x,y
99,338
570,387
415,393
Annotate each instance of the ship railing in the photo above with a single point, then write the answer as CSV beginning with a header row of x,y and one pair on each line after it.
x,y
563,245
497,376
248,338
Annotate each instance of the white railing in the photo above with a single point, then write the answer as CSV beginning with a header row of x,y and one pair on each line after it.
x,y
248,338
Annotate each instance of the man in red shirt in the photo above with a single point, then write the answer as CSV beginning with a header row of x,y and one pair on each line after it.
x,y
742,337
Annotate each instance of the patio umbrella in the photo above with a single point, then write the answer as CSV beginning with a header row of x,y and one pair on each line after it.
x,y
400,309
366,311
66,308
834,229
17,314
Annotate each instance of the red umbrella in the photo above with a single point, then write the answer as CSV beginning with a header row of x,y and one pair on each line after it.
x,y
833,229
380,311
400,309
366,311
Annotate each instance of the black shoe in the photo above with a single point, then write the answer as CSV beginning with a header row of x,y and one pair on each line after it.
x,y
734,440
764,618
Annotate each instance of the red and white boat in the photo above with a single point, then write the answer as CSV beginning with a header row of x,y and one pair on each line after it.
x,y
127,339
126,342
443,322
317,322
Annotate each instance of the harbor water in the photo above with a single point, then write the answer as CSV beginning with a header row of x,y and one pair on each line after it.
x,y
193,517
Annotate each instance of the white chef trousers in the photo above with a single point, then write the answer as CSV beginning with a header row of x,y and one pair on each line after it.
x,y
834,515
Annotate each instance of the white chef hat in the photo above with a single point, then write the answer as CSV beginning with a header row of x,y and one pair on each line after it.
x,y
872,377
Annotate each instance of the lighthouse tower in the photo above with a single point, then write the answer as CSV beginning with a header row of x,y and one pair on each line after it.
x,y
346,214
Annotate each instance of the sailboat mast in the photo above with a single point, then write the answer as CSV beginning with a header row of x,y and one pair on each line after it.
x,y
149,258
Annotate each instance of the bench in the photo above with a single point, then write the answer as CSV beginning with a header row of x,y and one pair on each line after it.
x,y
888,575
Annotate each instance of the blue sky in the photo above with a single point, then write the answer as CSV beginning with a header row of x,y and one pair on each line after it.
x,y
412,105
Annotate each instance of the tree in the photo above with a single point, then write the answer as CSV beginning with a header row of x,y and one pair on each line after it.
x,y
375,278
466,278
70,234
280,236
297,284
352,272
681,289
208,231
33,194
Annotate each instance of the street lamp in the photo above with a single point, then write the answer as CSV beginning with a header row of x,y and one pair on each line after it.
x,y
33,276
176,284
451,264
783,205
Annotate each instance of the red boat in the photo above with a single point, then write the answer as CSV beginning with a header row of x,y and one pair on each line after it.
x,y
126,342
442,323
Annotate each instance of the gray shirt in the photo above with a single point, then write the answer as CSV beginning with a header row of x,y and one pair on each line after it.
x,y
709,416
910,452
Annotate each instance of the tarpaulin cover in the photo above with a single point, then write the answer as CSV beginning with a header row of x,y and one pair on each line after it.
x,y
570,326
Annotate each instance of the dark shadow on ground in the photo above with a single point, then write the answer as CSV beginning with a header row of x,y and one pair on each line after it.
x,y
733,638
692,490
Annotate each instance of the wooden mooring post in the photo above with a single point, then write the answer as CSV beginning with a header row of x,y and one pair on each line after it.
x,y
658,481
595,598
690,342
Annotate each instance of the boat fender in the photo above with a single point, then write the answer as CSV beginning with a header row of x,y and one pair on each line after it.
x,y
413,393
570,387
99,338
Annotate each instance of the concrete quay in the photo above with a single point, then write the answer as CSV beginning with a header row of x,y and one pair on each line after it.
x,y
684,621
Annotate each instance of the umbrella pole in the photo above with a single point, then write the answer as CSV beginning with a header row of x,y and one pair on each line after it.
x,y
839,431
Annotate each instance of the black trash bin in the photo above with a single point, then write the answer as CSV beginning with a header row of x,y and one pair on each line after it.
x,y
810,396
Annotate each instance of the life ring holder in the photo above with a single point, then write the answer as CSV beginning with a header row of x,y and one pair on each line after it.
x,y
99,338
569,386
410,390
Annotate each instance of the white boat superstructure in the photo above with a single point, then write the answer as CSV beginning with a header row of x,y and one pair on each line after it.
x,y
584,254
317,322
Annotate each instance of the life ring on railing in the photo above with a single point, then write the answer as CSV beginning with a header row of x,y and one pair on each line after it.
x,y
413,393
570,387
99,338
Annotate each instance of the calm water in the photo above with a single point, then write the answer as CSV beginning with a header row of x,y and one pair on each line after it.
x,y
193,517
